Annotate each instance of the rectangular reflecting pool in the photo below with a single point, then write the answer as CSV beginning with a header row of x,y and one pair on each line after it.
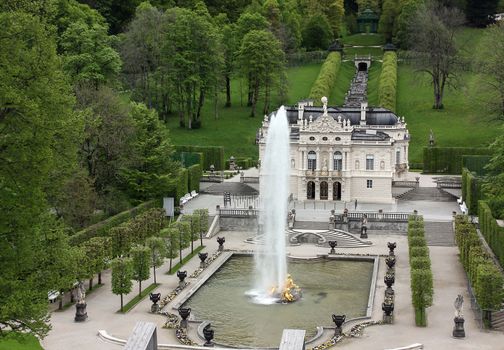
x,y
330,286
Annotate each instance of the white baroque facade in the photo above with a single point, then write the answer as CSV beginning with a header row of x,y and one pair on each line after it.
x,y
344,153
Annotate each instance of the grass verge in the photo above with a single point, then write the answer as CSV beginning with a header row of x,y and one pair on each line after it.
x,y
132,303
185,260
20,342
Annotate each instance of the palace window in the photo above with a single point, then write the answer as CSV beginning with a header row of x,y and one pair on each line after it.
x,y
398,157
369,183
369,162
312,160
337,161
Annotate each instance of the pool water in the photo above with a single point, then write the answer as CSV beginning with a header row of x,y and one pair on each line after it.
x,y
329,287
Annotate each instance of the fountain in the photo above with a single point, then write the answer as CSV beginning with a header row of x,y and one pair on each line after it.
x,y
272,282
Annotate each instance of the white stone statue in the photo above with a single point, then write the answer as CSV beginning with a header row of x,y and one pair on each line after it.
x,y
81,293
324,103
458,305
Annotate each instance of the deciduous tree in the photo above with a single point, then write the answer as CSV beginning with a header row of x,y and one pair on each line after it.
x,y
122,274
488,63
435,53
262,61
157,253
36,123
172,241
140,256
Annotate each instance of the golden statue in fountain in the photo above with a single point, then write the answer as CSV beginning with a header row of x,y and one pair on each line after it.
x,y
290,292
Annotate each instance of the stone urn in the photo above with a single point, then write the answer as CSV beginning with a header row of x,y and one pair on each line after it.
x,y
388,309
333,245
202,257
80,312
458,328
390,261
221,241
208,333
181,276
389,280
184,313
155,297
391,246
338,321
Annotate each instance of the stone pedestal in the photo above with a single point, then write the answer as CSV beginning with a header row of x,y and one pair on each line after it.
x,y
154,308
182,284
202,264
389,292
458,328
80,312
388,319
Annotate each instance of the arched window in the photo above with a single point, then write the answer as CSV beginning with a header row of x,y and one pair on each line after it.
x,y
312,160
324,190
310,190
337,161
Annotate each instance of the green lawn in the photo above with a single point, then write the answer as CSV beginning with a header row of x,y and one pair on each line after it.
x,y
374,79
460,123
27,342
233,128
138,298
364,39
344,77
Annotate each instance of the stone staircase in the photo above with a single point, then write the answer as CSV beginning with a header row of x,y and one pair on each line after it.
x,y
321,238
498,320
427,194
439,233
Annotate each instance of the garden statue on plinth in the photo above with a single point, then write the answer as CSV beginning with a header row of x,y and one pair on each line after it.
x,y
389,280
364,227
221,241
333,245
388,308
208,333
432,141
202,257
80,307
155,297
184,313
291,218
391,247
182,275
345,216
338,321
458,328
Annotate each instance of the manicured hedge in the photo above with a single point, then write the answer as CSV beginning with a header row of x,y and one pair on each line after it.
x,y
244,163
327,77
493,233
422,286
485,277
179,185
188,159
101,228
448,160
211,155
387,86
195,174
476,164
471,191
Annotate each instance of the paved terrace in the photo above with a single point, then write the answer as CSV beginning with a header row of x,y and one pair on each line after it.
x,y
449,280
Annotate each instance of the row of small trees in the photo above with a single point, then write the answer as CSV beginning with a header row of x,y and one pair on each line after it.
x,y
485,277
387,88
136,251
422,288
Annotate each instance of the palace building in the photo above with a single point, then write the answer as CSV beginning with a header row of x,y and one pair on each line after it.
x,y
344,153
